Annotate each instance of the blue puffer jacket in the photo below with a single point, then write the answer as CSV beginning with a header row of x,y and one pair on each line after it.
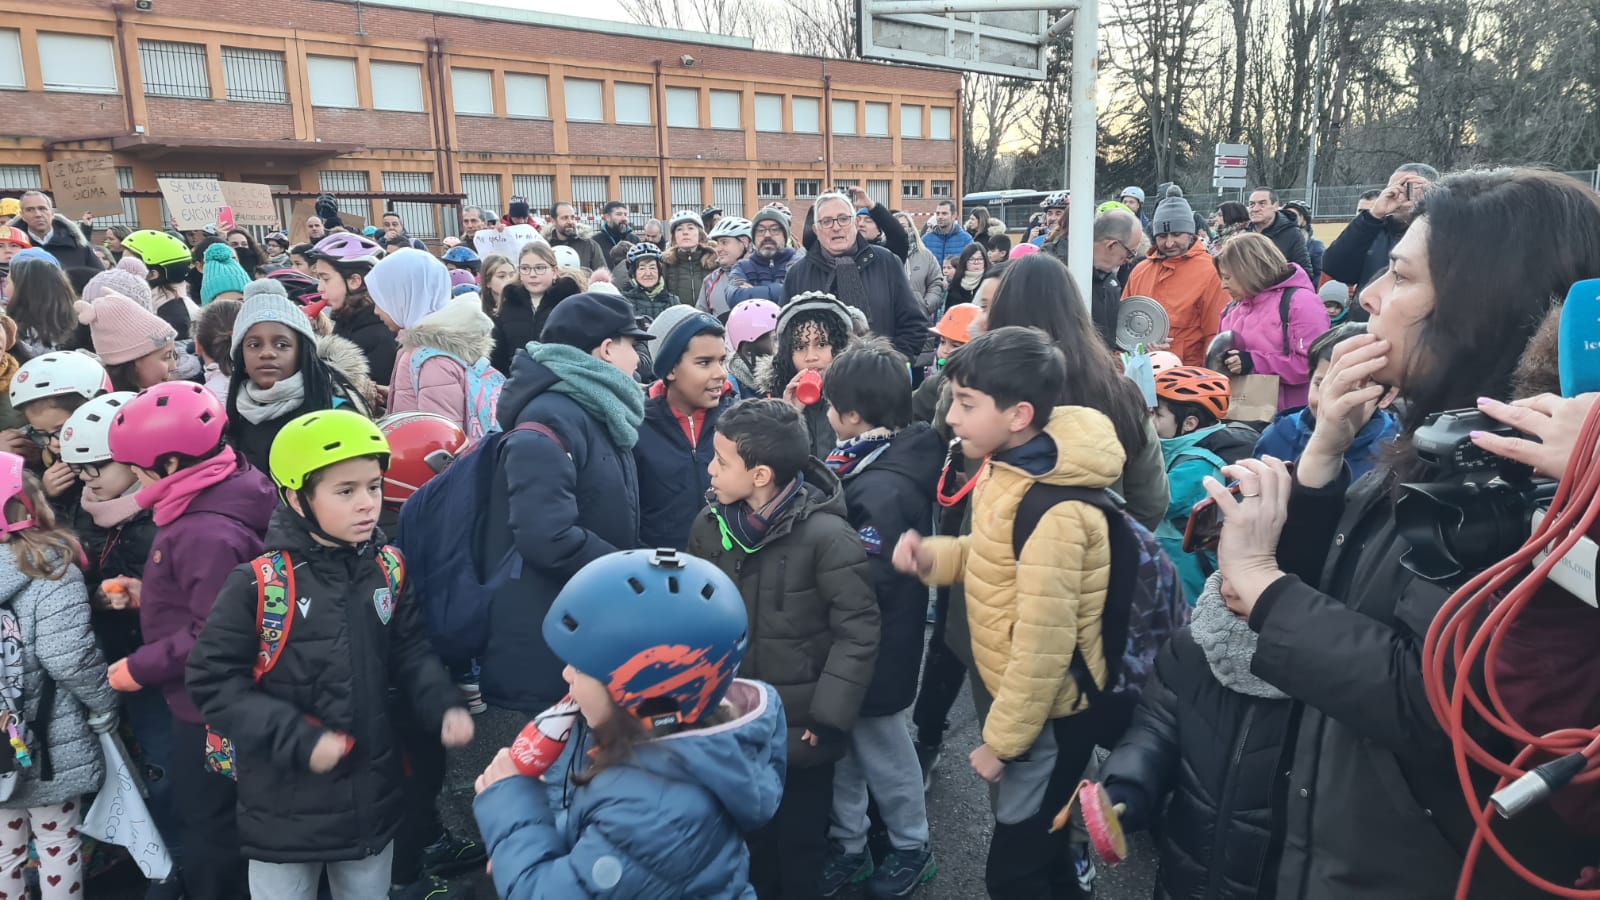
x,y
946,245
1287,436
673,479
670,822
762,278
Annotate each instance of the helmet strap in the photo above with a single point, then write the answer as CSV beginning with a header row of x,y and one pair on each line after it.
x,y
310,518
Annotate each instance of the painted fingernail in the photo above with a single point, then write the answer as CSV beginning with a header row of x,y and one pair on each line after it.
x,y
1485,401
1477,434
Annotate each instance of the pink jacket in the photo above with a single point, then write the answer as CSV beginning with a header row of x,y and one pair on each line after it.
x,y
440,383
1258,330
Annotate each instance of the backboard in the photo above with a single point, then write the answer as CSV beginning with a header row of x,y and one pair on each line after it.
x,y
1009,43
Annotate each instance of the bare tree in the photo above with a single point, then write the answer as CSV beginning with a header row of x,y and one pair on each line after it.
x,y
1157,82
990,108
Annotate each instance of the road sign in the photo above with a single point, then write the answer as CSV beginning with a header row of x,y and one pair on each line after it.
x,y
1232,162
1227,184
1233,150
953,35
1230,172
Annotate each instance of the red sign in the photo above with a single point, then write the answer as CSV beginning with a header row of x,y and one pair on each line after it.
x,y
1232,162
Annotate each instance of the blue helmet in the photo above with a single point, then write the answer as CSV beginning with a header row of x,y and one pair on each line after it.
x,y
664,631
461,256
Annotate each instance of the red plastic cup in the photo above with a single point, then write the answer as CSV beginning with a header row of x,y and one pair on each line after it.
x,y
809,390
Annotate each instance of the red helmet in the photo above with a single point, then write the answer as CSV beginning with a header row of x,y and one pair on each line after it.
x,y
414,437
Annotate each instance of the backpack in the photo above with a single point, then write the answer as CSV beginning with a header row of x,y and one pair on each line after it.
x,y
483,390
275,596
28,739
453,584
1144,605
1283,312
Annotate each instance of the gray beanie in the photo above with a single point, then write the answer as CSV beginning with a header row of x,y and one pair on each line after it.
x,y
1174,215
770,215
269,304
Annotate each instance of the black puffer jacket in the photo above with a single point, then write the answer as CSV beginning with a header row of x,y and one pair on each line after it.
x,y
892,310
1215,752
1290,241
120,550
348,642
513,328
364,329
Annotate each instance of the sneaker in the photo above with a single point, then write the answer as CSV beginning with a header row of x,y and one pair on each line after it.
x,y
843,869
472,696
452,854
927,758
1083,862
902,872
429,887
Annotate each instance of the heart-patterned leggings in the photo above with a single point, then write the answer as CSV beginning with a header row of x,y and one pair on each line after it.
x,y
55,832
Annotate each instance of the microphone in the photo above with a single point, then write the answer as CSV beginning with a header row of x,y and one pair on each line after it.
x,y
535,750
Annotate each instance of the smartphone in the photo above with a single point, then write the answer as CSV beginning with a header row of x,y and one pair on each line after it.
x,y
1205,521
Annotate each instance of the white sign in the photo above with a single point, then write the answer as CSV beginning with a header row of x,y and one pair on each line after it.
x,y
507,241
1225,184
1006,42
119,815
1233,150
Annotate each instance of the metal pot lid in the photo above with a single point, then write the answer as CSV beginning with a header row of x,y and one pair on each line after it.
x,y
1140,320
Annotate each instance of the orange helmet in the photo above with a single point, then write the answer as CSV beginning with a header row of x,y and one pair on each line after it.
x,y
414,437
1192,384
954,325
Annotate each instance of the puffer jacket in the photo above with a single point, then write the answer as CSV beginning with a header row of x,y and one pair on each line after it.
x,y
892,312
513,329
813,619
1188,288
644,304
119,548
1029,616
945,244
758,278
364,329
1258,326
349,642
439,384
1289,239
673,473
1287,437
57,643
669,822
685,271
926,275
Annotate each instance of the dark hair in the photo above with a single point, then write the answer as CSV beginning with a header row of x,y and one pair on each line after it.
x,y
981,213
612,206
619,253
41,303
356,301
559,290
67,403
1000,242
783,370
1373,194
1233,213
616,737
124,376
319,379
1271,194
390,212
872,380
254,246
1183,409
301,250
1012,365
768,432
213,332
1037,292
949,203
1322,348
78,277
975,248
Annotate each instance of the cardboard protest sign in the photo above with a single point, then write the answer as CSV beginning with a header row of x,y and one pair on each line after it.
x,y
192,202
506,240
305,209
251,203
85,185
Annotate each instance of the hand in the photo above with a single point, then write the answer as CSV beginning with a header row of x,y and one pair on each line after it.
x,y
1349,399
809,737
457,728
987,764
330,748
1233,363
1247,554
1555,421
1394,201
910,556
58,479
14,441
113,593
499,769
789,395
117,676
859,197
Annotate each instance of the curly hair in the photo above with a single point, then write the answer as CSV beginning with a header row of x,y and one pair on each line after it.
x,y
783,367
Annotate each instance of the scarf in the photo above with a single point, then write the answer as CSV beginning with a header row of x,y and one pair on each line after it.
x,y
654,292
969,281
847,283
171,496
8,368
854,454
602,389
1228,643
113,512
259,405
748,527
744,375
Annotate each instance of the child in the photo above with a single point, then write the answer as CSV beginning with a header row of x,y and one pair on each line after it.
x,y
1287,436
777,526
750,335
443,366
953,331
1336,300
222,278
812,328
675,444
168,262
671,762
46,390
1030,613
137,347
213,340
277,244
211,511
312,737
888,467
340,263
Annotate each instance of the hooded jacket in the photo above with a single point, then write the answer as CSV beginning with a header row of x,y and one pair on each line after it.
x,y
813,618
376,341
590,255
668,822
67,243
1029,616
348,643
439,384
1258,327
759,278
1188,288
892,311
926,275
685,271
560,506
673,473
1287,436
1289,239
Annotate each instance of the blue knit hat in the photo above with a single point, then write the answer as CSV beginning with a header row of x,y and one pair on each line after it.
x,y
673,330
221,274
35,253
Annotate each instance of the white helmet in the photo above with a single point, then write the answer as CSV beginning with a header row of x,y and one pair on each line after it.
x,y
56,373
684,217
730,226
86,436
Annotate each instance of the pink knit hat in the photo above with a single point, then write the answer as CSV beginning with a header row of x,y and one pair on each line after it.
x,y
119,281
131,263
121,329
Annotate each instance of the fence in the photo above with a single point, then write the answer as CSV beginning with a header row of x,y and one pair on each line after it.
x,y
1338,201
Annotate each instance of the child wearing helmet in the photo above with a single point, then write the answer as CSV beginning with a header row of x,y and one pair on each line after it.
x,y
46,390
812,329
751,333
313,739
168,260
671,760
953,331
340,263
1287,436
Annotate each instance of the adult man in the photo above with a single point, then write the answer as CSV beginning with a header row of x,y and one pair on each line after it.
x,y
1361,251
315,229
1267,219
1180,276
565,230
1116,233
615,227
54,233
731,236
1055,209
865,276
945,237
394,231
471,223
759,276
654,233
1367,198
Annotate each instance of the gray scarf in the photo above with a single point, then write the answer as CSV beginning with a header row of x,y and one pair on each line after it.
x,y
284,397
1228,643
847,282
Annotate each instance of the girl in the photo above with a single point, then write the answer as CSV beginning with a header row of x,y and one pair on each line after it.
x,y
299,258
971,265
61,692
495,273
168,262
249,253
40,303
137,347
340,263
690,258
666,744
750,336
441,363
1268,338
537,267
277,247
812,329
222,278
213,340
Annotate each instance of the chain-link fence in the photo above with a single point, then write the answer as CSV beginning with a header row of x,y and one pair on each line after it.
x,y
1338,201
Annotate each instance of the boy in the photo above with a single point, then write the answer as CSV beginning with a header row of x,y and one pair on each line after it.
x,y
953,331
776,525
1336,300
47,390
888,466
1287,436
318,762
674,446
1031,613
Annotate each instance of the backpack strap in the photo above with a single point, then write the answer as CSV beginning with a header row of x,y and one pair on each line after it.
x,y
1283,313
394,567
274,607
547,431
421,355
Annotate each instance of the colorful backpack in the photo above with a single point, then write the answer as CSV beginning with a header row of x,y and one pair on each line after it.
x,y
483,390
15,727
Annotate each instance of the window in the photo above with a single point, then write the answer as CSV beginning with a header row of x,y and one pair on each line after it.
x,y
807,115
910,190
538,190
396,86
171,69
77,62
584,102
683,107
770,188
632,102
844,117
728,193
880,189
338,180
333,81
483,191
639,192
589,194
769,112
877,119
725,109
527,96
130,213
686,193
807,188
939,129
941,188
16,179
254,76
911,121
417,217
472,92
11,59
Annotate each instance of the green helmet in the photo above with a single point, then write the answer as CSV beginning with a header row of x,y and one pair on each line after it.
x,y
319,439
156,248
1110,205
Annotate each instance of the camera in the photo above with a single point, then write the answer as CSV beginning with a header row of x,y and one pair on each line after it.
x,y
687,60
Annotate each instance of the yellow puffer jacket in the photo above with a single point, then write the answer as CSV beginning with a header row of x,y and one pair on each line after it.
x,y
1028,616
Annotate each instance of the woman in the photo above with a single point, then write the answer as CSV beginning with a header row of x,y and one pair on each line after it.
x,y
970,266
495,272
644,287
40,302
1231,218
690,258
113,245
1369,793
247,251
1274,317
982,226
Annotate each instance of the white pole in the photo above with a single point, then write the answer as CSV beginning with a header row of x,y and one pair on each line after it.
x,y
1080,213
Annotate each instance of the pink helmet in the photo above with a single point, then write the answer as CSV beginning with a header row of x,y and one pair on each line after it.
x,y
179,417
11,469
750,321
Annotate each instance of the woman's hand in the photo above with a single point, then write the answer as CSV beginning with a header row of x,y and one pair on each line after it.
x,y
1247,554
1555,421
1349,399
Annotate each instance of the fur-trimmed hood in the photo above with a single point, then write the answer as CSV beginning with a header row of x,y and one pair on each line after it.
x,y
708,256
459,329
348,359
59,222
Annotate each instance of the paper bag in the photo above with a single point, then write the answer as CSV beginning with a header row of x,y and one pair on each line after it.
x,y
119,814
1255,398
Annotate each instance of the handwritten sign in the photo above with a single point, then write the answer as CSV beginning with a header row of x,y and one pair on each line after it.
x,y
251,203
506,240
85,185
193,202
119,815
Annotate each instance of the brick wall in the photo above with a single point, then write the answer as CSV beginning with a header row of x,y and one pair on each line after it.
x,y
61,114
705,143
928,153
600,139
862,151
169,116
481,133
373,128
805,148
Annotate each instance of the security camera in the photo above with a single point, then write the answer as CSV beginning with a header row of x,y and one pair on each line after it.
x,y
686,59
144,5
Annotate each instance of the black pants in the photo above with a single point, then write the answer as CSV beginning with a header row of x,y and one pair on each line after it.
x,y
787,854
213,869
1026,861
942,674
425,771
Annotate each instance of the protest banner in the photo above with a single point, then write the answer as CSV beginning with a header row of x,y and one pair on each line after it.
x,y
85,185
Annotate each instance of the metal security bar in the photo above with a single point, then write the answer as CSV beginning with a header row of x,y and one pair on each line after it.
x,y
171,69
538,190
418,217
254,76
589,194
483,191
639,192
686,193
340,180
728,193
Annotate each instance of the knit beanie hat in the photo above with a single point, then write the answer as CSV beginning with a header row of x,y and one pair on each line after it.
x,y
119,281
134,265
34,253
771,215
1174,215
1335,292
673,330
265,300
221,273
121,329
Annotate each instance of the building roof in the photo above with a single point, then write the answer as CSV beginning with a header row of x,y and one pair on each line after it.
x,y
571,23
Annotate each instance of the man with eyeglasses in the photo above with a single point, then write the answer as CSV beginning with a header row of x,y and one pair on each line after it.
x,y
863,275
1267,218
760,275
1117,235
1361,252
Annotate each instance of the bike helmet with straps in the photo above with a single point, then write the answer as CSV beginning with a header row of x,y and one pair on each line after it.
x,y
956,323
730,226
174,417
461,256
638,253
684,217
751,320
780,208
710,211
413,437
662,630
1192,384
277,237
295,283
1162,360
13,487
319,439
346,248
1056,200
86,435
58,373
157,248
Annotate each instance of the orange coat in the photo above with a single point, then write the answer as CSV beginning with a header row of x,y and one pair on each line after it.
x,y
1187,287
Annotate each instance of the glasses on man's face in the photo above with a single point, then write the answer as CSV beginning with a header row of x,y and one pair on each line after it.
x,y
1125,249
769,231
540,269
85,470
836,222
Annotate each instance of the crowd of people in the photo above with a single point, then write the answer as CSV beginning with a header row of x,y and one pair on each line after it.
x,y
298,519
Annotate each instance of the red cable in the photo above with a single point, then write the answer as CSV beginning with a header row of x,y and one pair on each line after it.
x,y
1465,636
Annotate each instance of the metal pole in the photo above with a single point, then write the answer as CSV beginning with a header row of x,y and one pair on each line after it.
x,y
1080,176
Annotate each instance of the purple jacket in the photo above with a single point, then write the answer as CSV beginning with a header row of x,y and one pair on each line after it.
x,y
189,560
1258,330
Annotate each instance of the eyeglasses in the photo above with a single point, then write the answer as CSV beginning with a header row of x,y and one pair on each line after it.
x,y
835,222
534,270
41,438
85,470
769,231
1126,249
